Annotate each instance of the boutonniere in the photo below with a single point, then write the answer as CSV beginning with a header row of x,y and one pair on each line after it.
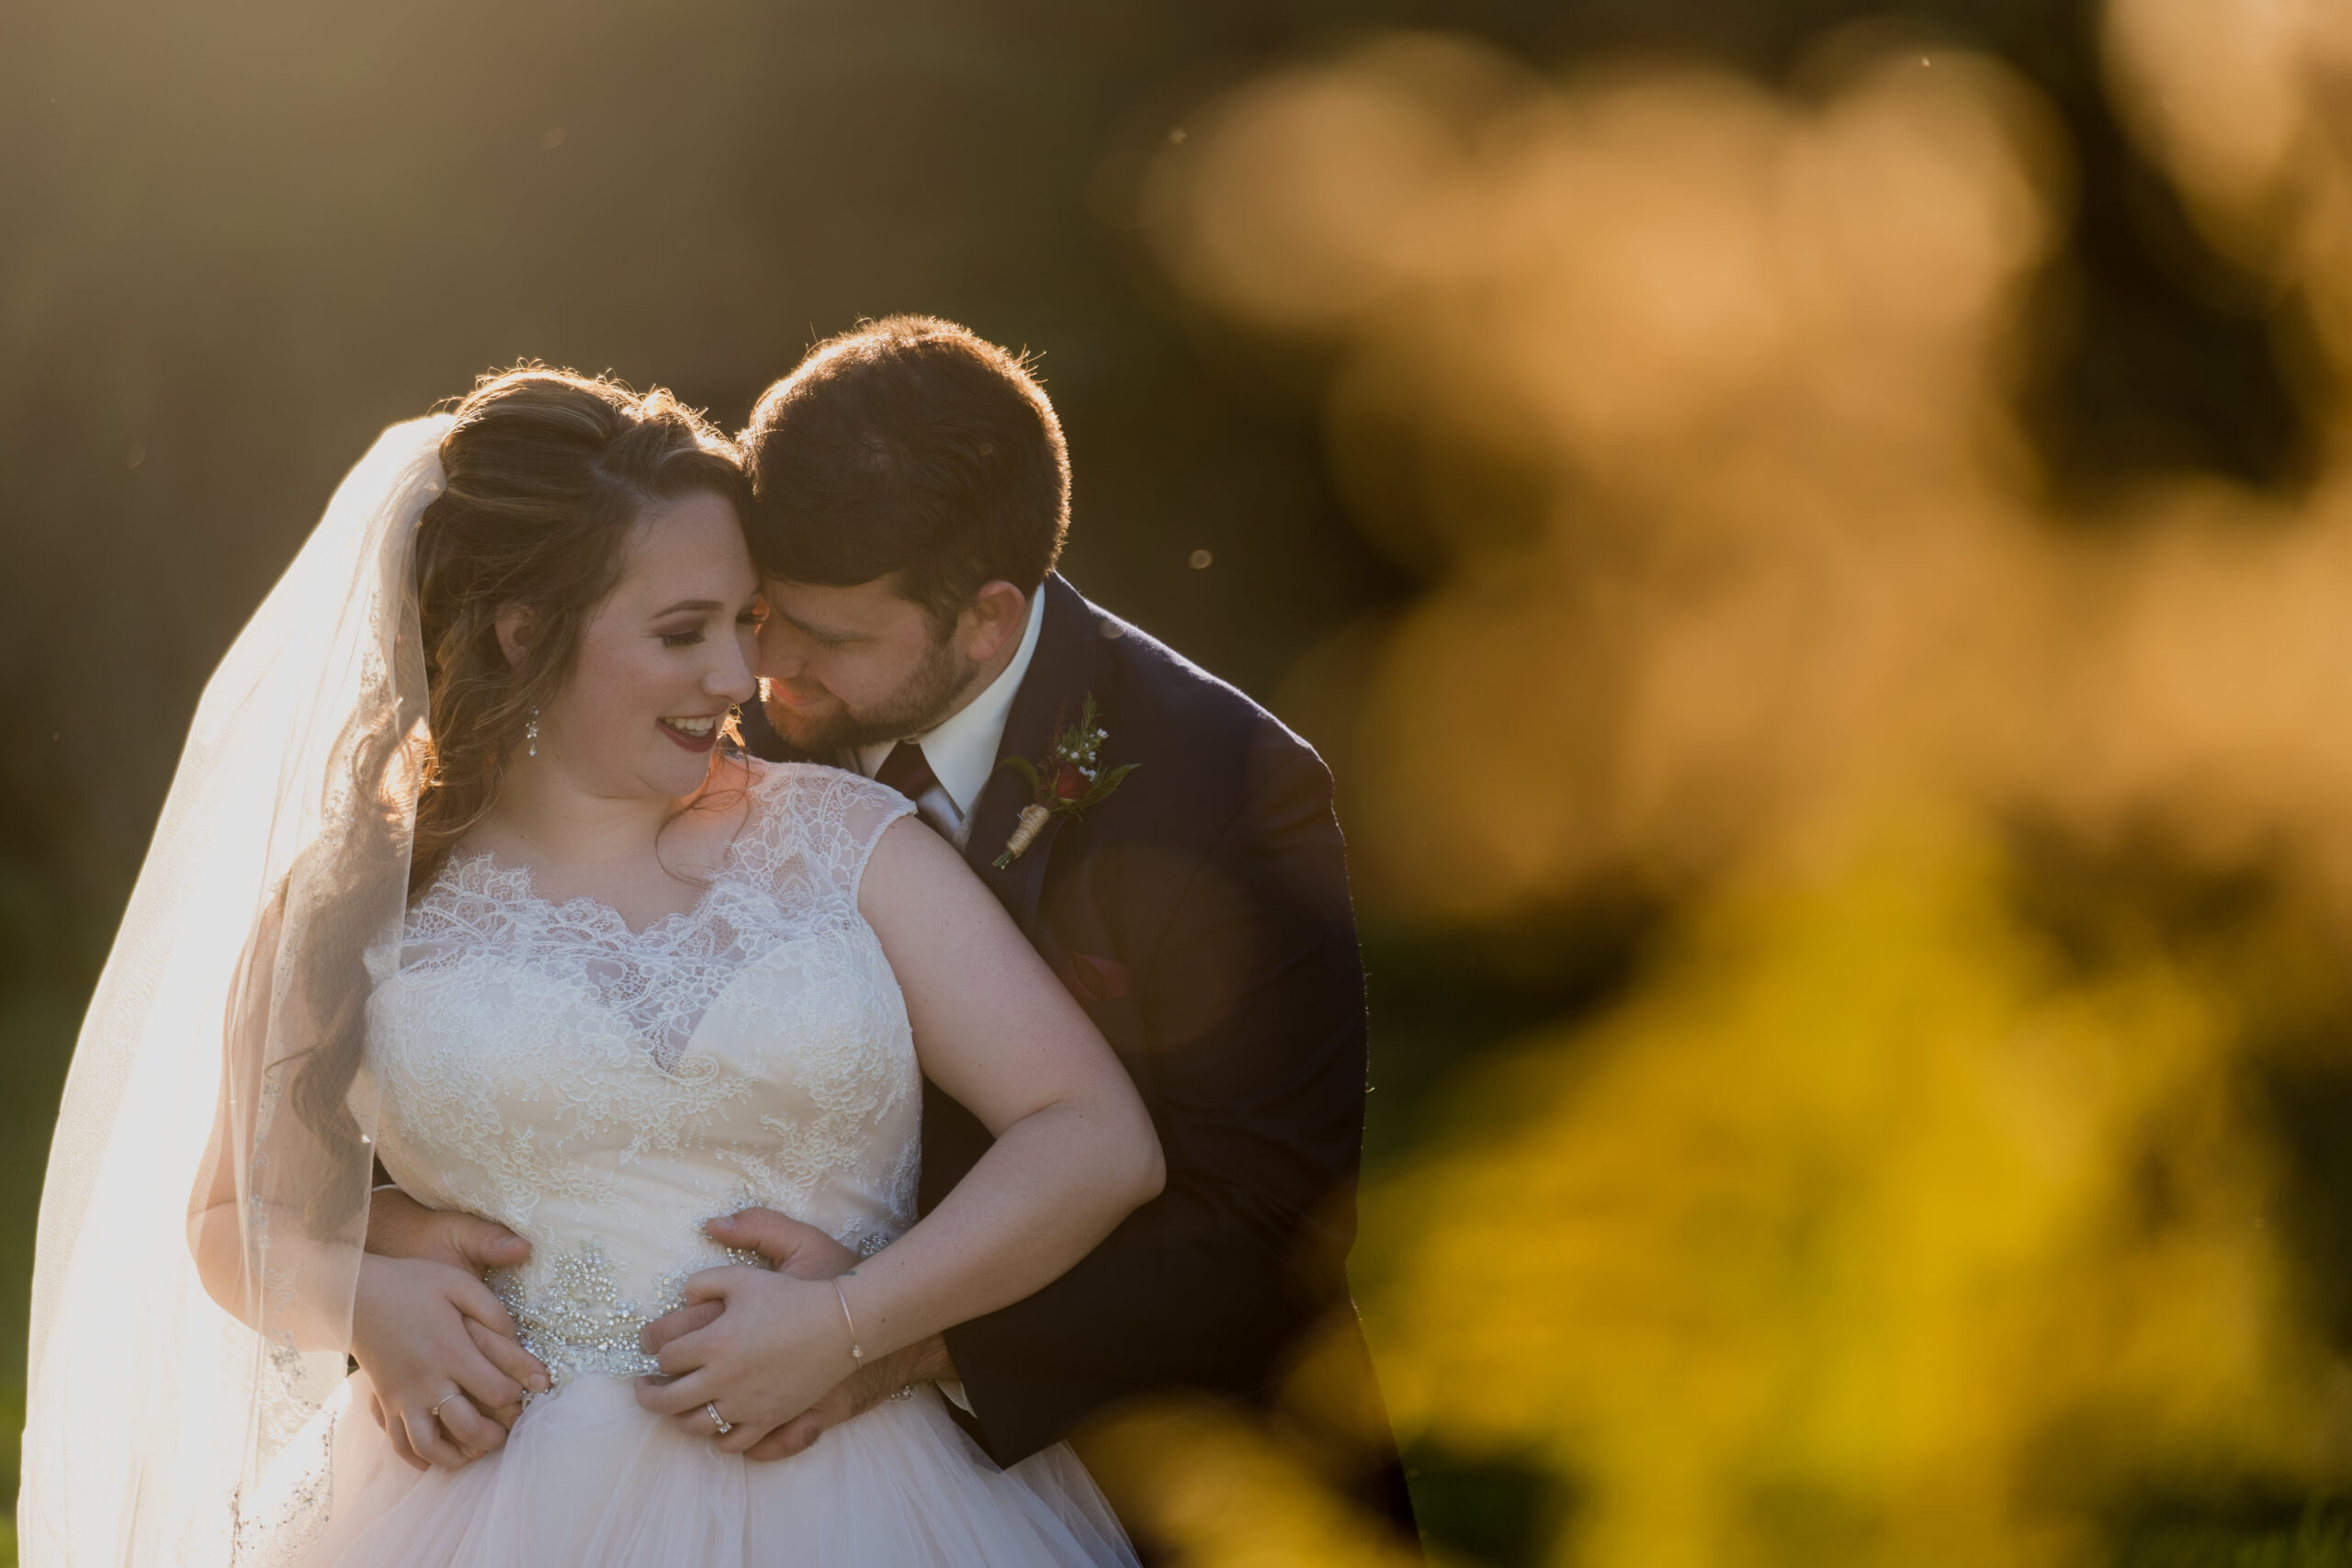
x,y
1067,779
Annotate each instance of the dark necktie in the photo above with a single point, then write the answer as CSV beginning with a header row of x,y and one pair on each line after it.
x,y
907,771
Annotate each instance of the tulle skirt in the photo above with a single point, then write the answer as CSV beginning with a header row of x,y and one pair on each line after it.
x,y
588,1479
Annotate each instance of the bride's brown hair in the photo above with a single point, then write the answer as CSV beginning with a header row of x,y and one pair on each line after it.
x,y
547,472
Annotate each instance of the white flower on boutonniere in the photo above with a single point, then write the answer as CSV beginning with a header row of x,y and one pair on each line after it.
x,y
1067,779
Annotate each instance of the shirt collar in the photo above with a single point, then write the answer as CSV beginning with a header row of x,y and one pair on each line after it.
x,y
961,749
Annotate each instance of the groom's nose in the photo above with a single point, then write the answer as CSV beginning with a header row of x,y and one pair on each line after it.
x,y
780,658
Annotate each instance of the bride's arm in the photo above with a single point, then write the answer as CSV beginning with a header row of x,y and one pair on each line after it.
x,y
427,1331
1075,1150
232,1230
1075,1153
446,1375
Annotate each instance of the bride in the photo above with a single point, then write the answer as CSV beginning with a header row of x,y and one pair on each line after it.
x,y
456,876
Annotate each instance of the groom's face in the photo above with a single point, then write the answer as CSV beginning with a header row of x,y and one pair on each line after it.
x,y
847,667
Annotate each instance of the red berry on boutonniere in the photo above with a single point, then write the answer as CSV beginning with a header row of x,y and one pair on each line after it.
x,y
1068,779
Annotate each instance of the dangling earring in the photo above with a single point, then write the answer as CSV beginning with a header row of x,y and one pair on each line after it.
x,y
531,732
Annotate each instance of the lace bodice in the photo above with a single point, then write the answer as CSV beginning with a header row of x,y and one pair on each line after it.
x,y
603,1091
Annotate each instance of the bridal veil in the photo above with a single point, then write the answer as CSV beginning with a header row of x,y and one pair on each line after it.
x,y
216,1090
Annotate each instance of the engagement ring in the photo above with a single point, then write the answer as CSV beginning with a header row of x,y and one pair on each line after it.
x,y
721,1422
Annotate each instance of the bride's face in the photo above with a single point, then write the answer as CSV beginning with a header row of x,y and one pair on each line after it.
x,y
661,660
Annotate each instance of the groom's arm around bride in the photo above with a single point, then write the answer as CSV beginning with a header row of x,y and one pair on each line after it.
x,y
1199,912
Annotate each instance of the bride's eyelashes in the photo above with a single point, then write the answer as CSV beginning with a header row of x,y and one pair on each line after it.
x,y
689,637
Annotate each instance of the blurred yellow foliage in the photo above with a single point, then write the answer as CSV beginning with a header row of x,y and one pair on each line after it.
x,y
1215,1486
1865,1236
1868,1231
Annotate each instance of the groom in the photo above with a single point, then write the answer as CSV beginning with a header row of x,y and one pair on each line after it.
x,y
911,495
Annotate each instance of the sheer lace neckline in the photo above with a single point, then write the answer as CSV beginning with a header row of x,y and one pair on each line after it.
x,y
789,872
512,881
659,979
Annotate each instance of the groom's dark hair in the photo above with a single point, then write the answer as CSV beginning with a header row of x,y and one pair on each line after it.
x,y
911,445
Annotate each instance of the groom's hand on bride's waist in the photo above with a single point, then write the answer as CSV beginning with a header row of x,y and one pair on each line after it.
x,y
856,1394
400,1226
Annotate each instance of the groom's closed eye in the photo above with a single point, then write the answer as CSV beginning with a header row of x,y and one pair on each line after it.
x,y
819,635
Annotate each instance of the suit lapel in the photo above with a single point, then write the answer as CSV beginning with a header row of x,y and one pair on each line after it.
x,y
1061,673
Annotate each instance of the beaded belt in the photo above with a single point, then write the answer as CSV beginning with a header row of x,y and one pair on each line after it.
x,y
575,1319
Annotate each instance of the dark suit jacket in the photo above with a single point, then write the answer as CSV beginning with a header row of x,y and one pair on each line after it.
x,y
1201,915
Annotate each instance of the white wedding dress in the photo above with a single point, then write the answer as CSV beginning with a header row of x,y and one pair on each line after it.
x,y
602,1093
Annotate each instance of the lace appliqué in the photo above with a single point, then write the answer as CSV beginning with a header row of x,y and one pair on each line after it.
x,y
546,1066
272,1522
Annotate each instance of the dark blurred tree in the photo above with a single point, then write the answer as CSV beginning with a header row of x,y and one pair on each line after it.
x,y
236,241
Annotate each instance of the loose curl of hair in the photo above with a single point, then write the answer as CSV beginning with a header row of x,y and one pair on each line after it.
x,y
548,471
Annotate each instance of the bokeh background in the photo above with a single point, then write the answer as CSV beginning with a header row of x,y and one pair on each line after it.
x,y
1816,537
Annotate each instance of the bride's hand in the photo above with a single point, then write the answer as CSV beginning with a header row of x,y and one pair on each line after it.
x,y
786,1245
803,1251
777,1346
420,1329
400,1226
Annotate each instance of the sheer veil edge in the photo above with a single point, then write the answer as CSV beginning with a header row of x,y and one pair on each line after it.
x,y
220,1067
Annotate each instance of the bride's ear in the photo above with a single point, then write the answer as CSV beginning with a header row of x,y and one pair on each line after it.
x,y
516,626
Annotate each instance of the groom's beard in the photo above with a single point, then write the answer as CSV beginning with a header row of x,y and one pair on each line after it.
x,y
926,697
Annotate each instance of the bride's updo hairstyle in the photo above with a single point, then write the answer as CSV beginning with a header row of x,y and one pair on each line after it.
x,y
547,473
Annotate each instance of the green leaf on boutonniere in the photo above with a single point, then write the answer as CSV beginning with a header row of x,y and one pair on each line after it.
x,y
1028,770
1104,787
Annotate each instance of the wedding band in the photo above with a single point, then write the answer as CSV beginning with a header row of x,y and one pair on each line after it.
x,y
721,1422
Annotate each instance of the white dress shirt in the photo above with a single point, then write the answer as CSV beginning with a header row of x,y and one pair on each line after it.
x,y
961,749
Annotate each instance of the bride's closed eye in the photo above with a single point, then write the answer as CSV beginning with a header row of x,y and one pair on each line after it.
x,y
689,637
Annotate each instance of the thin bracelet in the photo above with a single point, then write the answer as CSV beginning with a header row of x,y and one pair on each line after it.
x,y
857,1352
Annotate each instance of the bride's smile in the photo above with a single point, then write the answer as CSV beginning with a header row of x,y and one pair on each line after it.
x,y
693,734
659,663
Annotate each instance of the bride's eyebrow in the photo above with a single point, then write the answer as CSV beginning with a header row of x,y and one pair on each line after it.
x,y
703,605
